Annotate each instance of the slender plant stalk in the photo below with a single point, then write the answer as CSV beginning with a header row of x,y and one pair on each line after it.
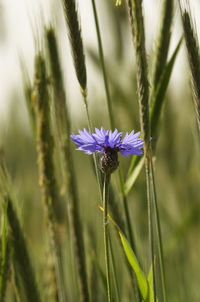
x,y
15,283
137,29
105,228
159,236
193,51
163,42
47,181
64,132
4,263
114,268
101,56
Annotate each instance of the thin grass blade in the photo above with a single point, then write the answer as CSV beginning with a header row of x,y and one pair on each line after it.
x,y
159,96
155,113
4,260
162,42
140,276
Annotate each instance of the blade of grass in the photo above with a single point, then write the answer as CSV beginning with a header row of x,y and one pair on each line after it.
x,y
155,113
4,260
140,276
133,176
143,284
162,42
160,92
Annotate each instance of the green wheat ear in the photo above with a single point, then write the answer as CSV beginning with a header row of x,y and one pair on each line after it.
x,y
17,242
74,33
21,255
47,179
193,52
64,132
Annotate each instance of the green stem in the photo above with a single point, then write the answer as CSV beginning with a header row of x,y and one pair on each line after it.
x,y
159,237
95,157
101,56
105,228
4,265
114,270
150,220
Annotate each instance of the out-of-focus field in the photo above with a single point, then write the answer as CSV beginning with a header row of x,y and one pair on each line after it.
x,y
176,165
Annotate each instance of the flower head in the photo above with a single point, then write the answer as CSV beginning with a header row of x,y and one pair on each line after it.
x,y
108,143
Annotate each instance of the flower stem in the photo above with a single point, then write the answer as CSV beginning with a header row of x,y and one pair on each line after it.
x,y
105,228
159,237
101,56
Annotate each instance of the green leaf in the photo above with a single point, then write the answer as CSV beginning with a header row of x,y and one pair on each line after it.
x,y
133,176
158,96
140,276
144,286
157,103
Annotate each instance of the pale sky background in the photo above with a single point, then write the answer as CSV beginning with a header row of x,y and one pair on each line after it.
x,y
20,16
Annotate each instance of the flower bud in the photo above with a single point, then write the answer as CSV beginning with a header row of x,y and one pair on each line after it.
x,y
109,161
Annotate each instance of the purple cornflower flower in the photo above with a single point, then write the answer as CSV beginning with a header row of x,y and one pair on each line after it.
x,y
108,144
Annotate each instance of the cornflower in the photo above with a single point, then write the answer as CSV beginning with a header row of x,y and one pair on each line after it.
x,y
108,143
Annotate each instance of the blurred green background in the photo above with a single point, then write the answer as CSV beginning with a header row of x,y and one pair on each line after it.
x,y
176,164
